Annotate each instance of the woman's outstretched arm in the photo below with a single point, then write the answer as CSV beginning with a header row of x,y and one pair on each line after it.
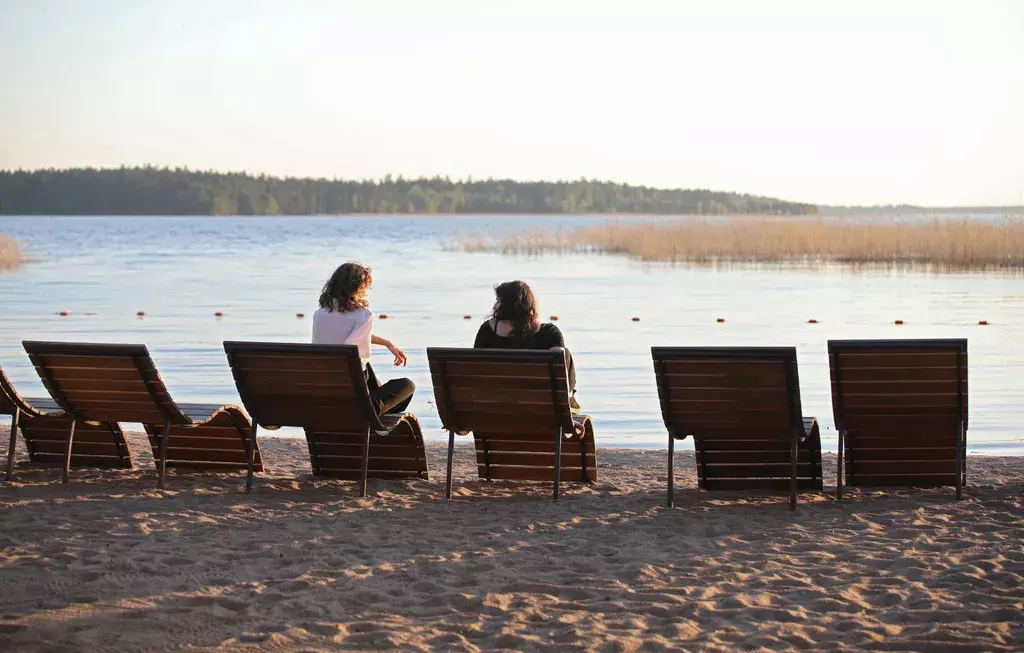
x,y
400,358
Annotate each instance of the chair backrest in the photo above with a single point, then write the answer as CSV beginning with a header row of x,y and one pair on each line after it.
x,y
890,384
490,390
9,398
317,387
104,382
724,391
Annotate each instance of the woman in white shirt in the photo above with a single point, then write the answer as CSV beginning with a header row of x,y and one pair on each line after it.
x,y
345,318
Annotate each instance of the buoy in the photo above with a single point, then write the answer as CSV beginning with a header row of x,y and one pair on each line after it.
x,y
300,315
218,314
467,317
720,320
63,314
636,319
898,322
812,321
982,322
383,316
554,318
141,313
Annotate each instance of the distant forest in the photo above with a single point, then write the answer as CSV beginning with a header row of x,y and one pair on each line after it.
x,y
163,191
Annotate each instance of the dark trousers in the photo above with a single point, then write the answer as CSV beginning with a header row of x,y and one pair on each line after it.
x,y
392,397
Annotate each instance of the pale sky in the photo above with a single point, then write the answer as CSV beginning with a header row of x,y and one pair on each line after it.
x,y
858,102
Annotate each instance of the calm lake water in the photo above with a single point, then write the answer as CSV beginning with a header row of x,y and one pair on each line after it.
x,y
260,272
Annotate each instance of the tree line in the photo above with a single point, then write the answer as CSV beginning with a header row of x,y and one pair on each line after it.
x,y
166,191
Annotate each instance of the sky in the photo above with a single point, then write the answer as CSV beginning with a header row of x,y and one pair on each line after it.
x,y
824,101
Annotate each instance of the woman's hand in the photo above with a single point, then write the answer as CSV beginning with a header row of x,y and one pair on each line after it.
x,y
400,359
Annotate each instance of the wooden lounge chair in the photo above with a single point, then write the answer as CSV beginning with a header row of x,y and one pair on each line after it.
x,y
321,388
901,412
516,403
120,383
742,407
44,427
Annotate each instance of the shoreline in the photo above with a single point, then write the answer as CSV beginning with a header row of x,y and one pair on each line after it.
x,y
108,562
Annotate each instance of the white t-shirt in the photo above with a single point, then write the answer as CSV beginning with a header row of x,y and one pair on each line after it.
x,y
344,328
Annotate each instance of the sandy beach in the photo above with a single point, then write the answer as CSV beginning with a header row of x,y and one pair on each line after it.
x,y
108,562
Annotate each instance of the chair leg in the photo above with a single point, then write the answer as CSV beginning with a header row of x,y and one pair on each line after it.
x,y
366,463
839,471
671,502
67,453
960,446
14,437
793,452
250,452
558,459
161,471
448,473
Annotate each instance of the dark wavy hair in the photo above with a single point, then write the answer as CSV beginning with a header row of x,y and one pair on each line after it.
x,y
342,289
518,306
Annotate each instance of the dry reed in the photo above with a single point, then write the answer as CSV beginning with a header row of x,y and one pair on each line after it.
x,y
949,243
10,253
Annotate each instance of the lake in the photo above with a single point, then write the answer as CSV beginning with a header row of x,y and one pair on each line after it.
x,y
260,272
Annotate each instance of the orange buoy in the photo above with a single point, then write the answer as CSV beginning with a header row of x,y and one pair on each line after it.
x,y
554,318
898,322
63,314
982,322
467,317
141,313
218,314
300,315
720,320
812,321
383,316
636,319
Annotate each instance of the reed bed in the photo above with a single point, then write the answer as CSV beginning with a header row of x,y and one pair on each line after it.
x,y
946,243
10,253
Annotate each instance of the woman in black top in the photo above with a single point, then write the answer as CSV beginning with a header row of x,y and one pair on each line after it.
x,y
515,324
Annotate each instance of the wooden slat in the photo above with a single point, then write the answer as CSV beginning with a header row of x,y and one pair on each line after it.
x,y
353,475
208,466
77,461
567,474
745,456
726,366
860,467
499,457
492,382
781,443
899,374
767,470
376,450
318,384
135,384
542,395
375,462
108,448
857,403
896,359
539,446
290,362
236,455
214,443
358,438
495,369
768,484
882,385
903,480
69,374
57,362
890,440
905,453
774,396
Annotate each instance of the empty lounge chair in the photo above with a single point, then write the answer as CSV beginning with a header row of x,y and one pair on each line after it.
x,y
901,412
44,427
516,403
321,388
120,383
742,407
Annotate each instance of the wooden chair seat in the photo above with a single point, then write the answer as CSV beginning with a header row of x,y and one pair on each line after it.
x,y
44,427
516,404
742,407
120,383
901,412
322,389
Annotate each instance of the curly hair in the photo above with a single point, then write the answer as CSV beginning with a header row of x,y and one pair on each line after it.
x,y
344,290
517,305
